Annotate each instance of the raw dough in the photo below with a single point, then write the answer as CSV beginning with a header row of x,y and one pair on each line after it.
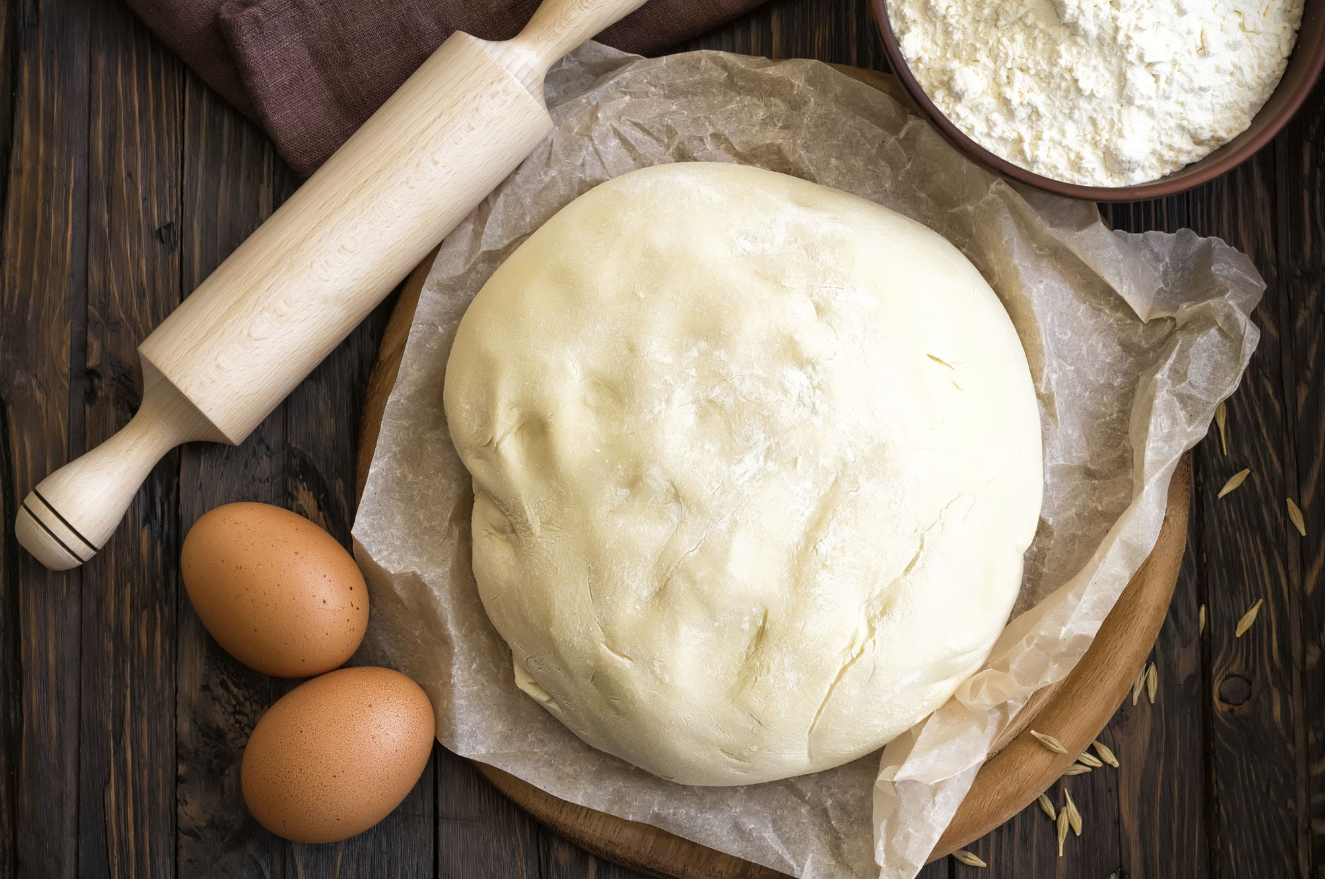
x,y
755,464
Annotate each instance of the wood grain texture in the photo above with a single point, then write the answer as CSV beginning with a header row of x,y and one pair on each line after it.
x,y
1191,798
1301,156
43,311
1258,802
481,834
11,678
1159,803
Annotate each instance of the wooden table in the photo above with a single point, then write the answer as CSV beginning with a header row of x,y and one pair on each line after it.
x,y
127,181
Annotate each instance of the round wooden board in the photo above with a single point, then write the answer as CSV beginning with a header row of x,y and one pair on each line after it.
x,y
1019,768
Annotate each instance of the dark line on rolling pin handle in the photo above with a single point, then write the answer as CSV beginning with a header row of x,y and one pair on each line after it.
x,y
64,522
53,535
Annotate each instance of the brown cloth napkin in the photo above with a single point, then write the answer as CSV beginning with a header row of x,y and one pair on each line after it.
x,y
311,71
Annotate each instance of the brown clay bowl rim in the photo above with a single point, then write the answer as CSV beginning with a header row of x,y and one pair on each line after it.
x,y
1268,122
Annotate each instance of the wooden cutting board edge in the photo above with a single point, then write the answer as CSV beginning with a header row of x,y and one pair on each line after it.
x,y
1074,710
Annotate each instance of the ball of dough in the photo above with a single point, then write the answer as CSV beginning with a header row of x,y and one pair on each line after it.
x,y
755,463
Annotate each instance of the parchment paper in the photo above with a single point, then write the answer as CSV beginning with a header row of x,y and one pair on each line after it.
x,y
1120,399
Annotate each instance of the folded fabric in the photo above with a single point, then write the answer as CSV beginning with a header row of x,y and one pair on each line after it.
x,y
311,71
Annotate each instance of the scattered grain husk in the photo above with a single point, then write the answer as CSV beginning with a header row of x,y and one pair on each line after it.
x,y
1233,482
1076,769
968,858
1047,806
1049,742
1073,816
1152,683
1248,618
1090,760
1062,830
1200,621
1138,685
1221,418
1295,515
1106,753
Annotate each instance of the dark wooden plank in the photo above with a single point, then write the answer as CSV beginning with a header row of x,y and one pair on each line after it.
x,y
11,679
480,833
1028,844
1160,827
945,869
835,31
1025,846
560,859
1302,240
228,189
127,690
1254,726
43,300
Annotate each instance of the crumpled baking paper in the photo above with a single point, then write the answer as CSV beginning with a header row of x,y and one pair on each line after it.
x,y
1132,341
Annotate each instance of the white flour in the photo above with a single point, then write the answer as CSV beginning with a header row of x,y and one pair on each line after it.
x,y
1098,92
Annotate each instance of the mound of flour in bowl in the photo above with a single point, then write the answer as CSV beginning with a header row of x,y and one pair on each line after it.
x,y
1098,92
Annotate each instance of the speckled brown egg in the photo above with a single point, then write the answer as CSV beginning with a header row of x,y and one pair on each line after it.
x,y
275,590
337,754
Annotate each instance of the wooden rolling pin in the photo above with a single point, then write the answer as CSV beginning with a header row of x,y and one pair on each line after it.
x,y
282,301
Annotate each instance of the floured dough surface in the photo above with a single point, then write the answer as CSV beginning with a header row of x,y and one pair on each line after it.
x,y
755,464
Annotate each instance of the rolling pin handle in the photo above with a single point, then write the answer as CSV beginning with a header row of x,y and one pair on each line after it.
x,y
71,514
557,27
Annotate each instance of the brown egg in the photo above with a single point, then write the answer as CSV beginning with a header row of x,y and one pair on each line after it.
x,y
275,590
337,754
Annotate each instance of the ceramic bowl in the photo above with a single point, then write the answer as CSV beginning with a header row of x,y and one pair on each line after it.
x,y
1304,68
